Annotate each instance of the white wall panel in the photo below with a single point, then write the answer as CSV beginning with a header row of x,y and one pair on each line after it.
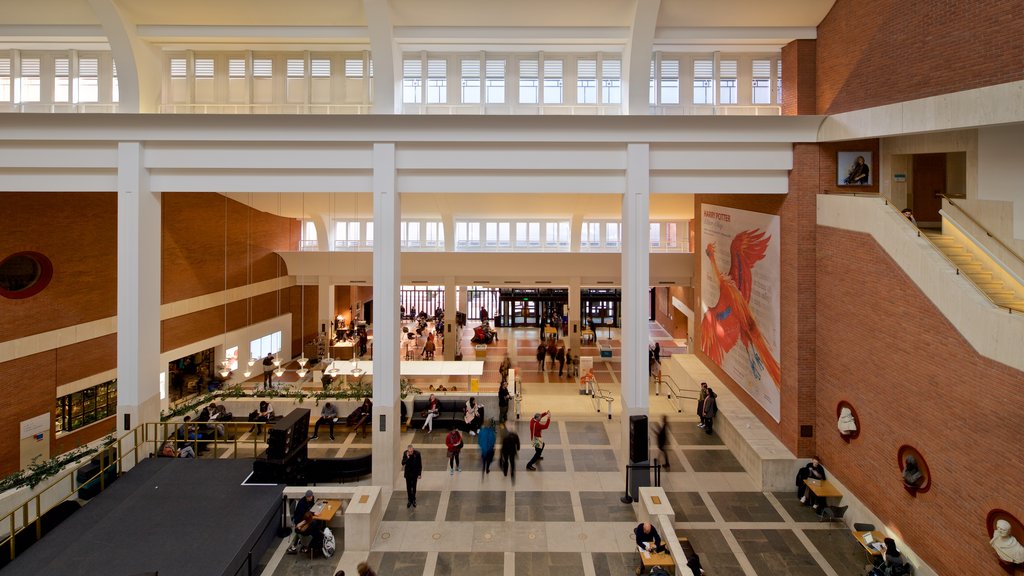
x,y
496,157
260,182
583,183
723,156
720,182
242,155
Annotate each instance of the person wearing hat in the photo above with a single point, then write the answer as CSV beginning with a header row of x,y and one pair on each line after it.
x,y
304,505
536,428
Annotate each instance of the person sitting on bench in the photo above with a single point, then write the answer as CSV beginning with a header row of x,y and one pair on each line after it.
x,y
328,414
361,416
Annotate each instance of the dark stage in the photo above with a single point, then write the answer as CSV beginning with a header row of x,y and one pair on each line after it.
x,y
178,517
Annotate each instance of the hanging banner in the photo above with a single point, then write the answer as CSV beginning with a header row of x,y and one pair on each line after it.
x,y
740,299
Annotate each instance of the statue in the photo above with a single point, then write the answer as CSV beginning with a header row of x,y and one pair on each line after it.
x,y
1005,545
847,423
912,475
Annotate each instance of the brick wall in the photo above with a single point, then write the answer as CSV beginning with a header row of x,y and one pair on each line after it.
x,y
798,78
876,52
885,348
797,212
78,233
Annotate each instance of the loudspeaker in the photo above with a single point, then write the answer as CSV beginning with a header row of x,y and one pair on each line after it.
x,y
638,439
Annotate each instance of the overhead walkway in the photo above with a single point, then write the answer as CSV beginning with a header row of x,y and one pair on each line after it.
x,y
985,312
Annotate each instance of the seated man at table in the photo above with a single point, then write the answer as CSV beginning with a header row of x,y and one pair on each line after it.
x,y
302,519
647,538
812,471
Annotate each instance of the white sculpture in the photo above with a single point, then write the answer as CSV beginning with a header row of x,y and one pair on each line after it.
x,y
1005,545
847,423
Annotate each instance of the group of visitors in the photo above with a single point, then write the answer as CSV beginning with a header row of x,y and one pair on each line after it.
x,y
707,407
555,351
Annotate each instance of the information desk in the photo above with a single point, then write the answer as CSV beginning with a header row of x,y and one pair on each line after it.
x,y
822,488
330,507
343,351
876,538
652,559
550,331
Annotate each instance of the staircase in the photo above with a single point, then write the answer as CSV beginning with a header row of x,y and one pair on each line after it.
x,y
978,271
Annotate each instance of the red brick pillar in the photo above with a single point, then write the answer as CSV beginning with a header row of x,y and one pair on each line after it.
x,y
798,78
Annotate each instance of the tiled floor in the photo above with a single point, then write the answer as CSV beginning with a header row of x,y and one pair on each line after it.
x,y
566,518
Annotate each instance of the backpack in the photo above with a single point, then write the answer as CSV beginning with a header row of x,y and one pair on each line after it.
x,y
330,546
659,571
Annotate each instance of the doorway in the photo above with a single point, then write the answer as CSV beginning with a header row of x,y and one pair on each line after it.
x,y
928,186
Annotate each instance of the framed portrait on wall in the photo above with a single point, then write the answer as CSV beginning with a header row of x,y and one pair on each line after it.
x,y
854,168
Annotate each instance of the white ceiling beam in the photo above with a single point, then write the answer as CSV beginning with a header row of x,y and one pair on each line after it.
x,y
160,33
138,63
636,59
734,33
387,58
512,34
58,31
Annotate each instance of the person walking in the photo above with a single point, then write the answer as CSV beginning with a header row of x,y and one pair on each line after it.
x,y
560,356
413,464
542,351
509,451
506,365
363,569
663,439
536,429
328,414
503,399
454,443
552,352
268,371
485,440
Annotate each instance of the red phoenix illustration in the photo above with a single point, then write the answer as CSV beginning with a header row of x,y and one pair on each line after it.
x,y
731,319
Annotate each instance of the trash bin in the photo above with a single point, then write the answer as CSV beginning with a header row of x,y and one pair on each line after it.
x,y
481,351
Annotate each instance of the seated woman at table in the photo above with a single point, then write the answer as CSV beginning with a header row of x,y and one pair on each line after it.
x,y
812,471
895,563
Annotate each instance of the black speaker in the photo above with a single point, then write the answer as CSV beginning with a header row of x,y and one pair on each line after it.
x,y
637,438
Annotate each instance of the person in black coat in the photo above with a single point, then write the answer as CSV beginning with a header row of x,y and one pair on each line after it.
x,y
413,463
709,408
509,451
812,471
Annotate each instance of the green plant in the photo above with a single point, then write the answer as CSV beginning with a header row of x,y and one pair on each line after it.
x,y
405,388
38,471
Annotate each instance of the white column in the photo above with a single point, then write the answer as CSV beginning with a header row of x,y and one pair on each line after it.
x,y
138,292
635,286
386,274
574,317
451,343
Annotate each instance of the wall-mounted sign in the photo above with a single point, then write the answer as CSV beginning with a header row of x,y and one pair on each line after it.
x,y
899,177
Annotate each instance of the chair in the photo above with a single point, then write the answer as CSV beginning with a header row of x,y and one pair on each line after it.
x,y
832,513
862,527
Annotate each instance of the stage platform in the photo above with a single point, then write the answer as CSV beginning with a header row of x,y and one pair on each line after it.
x,y
178,517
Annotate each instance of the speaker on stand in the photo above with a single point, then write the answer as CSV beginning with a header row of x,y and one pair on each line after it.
x,y
638,474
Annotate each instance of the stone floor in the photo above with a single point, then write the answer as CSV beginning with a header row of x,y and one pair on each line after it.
x,y
566,518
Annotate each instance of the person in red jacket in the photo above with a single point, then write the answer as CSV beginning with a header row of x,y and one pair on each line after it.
x,y
536,428
454,443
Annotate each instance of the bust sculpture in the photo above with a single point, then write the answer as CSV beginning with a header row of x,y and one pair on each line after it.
x,y
912,475
847,423
1005,545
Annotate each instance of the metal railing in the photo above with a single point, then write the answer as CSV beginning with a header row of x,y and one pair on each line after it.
x,y
675,392
956,267
983,229
597,394
32,512
145,439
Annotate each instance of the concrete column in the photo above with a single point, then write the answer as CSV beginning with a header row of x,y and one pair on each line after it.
x,y
325,303
635,286
450,304
387,212
138,292
574,317
448,224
